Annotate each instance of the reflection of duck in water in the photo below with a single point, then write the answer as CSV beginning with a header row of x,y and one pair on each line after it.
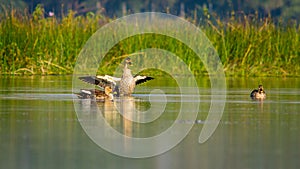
x,y
258,93
99,95
123,86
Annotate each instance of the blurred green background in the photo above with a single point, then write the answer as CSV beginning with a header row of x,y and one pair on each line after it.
x,y
287,9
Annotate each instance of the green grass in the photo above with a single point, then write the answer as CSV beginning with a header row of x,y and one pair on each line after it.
x,y
258,48
32,44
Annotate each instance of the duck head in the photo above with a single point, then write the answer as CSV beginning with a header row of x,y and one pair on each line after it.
x,y
128,61
108,91
260,89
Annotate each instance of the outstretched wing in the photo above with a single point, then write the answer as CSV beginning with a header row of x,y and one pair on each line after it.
x,y
97,81
109,78
141,79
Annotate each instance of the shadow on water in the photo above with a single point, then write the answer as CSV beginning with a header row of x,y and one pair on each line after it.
x,y
39,127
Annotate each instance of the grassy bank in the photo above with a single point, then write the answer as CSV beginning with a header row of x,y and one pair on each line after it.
x,y
37,45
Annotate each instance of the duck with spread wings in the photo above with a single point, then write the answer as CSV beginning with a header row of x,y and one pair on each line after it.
x,y
123,86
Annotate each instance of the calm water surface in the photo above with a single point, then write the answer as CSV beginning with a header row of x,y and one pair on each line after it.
x,y
39,127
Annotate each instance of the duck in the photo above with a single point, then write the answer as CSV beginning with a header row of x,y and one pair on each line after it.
x,y
97,94
258,93
123,86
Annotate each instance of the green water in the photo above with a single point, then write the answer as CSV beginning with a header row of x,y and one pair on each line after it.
x,y
39,127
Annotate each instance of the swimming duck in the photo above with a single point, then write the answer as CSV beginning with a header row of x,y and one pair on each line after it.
x,y
122,86
97,94
258,93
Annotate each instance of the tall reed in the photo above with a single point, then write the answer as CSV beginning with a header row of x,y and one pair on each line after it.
x,y
38,45
257,47
33,44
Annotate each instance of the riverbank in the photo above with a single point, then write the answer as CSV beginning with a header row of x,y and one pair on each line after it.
x,y
33,44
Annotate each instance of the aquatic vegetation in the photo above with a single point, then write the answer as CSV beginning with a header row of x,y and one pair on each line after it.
x,y
38,45
34,44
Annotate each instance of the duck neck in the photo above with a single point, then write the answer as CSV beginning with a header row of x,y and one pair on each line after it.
x,y
126,66
126,71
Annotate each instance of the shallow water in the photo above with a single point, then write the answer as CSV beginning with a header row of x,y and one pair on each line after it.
x,y
39,127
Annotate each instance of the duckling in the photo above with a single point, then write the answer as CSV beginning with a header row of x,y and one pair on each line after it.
x,y
258,93
122,86
97,94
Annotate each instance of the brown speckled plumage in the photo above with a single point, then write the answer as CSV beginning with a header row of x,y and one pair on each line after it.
x,y
258,93
127,83
99,95
123,86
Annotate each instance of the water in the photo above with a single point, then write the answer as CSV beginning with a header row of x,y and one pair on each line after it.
x,y
39,127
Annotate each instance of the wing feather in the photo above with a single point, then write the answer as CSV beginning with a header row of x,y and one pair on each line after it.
x,y
96,81
109,78
141,79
